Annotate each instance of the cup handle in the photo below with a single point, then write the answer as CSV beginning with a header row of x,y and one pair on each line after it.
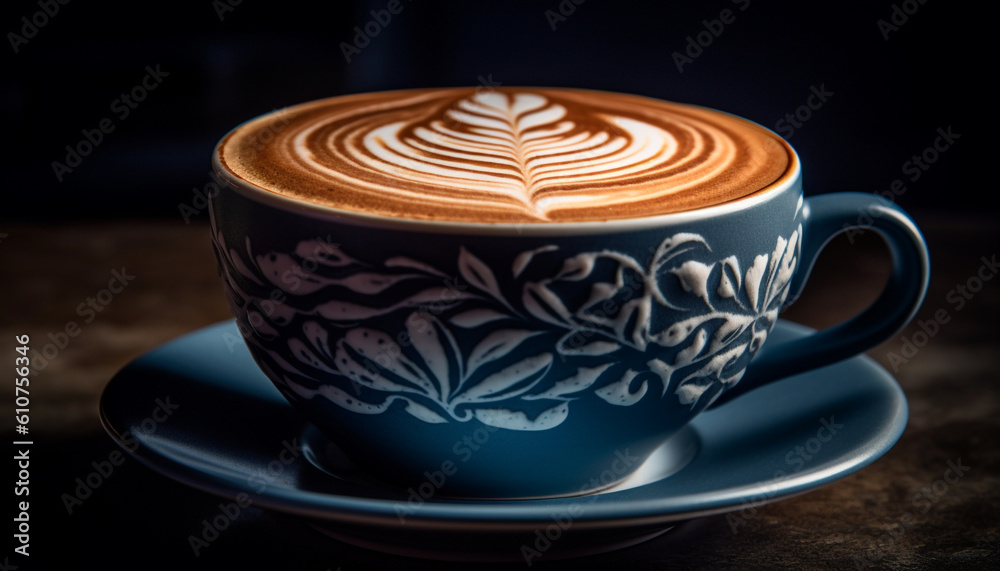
x,y
823,217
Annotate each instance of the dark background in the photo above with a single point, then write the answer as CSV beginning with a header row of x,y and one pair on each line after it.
x,y
226,64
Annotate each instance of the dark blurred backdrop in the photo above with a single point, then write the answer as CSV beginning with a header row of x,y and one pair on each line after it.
x,y
891,73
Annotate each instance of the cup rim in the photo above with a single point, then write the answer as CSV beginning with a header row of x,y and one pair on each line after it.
x,y
789,179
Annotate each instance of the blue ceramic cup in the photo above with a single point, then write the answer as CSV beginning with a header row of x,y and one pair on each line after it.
x,y
535,360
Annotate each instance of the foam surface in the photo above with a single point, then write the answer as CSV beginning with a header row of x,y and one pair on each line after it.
x,y
506,155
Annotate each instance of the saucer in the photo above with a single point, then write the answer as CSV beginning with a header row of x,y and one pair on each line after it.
x,y
198,410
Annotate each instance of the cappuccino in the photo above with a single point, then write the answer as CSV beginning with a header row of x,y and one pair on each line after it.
x,y
506,155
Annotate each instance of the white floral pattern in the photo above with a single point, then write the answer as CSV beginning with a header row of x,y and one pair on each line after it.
x,y
605,325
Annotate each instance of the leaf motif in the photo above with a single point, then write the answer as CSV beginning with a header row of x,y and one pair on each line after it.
x,y
757,341
444,297
642,309
318,338
505,383
478,274
694,278
241,267
689,392
260,325
545,305
524,258
779,251
287,274
785,269
662,370
690,389
618,393
599,293
676,245
355,404
282,271
578,267
582,380
423,413
404,262
496,345
730,274
475,317
755,274
425,377
323,251
339,397
681,330
382,355
306,356
425,333
575,343
772,270
732,327
518,420
689,354
280,313
370,283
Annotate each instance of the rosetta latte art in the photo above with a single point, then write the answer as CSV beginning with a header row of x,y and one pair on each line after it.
x,y
512,155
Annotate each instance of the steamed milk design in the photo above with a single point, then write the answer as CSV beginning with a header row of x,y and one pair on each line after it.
x,y
509,155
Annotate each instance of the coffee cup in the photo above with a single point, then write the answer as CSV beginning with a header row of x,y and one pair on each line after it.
x,y
514,293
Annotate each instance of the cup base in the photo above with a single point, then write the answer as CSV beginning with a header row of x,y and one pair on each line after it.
x,y
670,457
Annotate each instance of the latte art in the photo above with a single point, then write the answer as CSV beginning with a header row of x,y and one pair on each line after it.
x,y
508,155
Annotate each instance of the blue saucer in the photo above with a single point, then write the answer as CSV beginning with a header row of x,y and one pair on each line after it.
x,y
231,433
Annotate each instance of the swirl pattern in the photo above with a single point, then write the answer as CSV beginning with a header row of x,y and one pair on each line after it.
x,y
509,155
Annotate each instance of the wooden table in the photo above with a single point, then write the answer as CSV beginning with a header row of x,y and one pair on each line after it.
x,y
92,297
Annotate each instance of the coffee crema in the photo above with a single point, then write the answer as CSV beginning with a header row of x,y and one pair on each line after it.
x,y
506,155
